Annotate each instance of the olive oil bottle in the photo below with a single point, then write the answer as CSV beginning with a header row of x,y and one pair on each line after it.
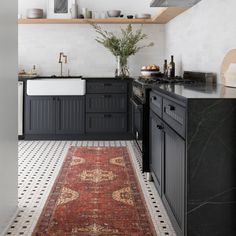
x,y
172,67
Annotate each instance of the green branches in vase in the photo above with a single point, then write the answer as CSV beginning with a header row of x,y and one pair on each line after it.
x,y
122,46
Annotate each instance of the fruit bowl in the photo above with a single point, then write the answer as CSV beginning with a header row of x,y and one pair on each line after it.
x,y
150,72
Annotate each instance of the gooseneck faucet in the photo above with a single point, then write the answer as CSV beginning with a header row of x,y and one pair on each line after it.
x,y
61,57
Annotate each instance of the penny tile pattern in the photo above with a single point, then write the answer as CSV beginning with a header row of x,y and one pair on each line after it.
x,y
39,164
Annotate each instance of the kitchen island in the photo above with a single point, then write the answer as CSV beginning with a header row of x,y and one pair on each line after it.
x,y
193,156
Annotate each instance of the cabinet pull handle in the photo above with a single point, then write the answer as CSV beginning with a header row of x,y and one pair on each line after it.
x,y
107,84
108,116
154,98
160,127
172,108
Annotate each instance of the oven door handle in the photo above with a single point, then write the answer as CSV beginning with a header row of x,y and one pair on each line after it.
x,y
137,106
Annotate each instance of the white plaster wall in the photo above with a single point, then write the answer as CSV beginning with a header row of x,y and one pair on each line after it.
x,y
200,37
8,117
40,45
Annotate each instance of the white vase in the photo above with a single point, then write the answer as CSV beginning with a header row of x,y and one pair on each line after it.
x,y
74,11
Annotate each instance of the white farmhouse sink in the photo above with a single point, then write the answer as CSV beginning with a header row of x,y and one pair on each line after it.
x,y
53,87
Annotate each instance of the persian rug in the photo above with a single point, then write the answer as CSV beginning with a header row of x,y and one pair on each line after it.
x,y
95,193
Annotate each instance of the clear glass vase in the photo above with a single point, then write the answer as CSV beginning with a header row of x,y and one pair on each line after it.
x,y
122,69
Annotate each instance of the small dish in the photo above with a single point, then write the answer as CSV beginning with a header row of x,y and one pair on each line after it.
x,y
130,16
143,16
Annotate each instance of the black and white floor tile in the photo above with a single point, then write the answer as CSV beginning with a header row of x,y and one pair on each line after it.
x,y
39,165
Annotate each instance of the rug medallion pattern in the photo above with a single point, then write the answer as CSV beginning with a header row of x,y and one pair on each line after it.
x,y
95,193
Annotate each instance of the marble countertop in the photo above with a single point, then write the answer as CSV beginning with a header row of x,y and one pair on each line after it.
x,y
196,91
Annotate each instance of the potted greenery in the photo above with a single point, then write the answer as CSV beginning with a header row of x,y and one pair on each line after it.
x,y
122,46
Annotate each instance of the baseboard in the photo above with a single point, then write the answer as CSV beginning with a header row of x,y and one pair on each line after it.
x,y
10,222
21,137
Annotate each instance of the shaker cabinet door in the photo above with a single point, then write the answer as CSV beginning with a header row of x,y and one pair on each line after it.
x,y
174,177
156,150
39,115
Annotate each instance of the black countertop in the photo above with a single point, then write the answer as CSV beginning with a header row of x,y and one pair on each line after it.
x,y
24,78
196,91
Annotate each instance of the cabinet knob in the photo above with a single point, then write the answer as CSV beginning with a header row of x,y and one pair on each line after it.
x,y
154,98
172,108
160,127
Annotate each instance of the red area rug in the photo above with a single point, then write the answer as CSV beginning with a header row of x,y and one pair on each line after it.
x,y
95,193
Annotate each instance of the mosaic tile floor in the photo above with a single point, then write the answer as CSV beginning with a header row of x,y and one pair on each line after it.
x,y
39,164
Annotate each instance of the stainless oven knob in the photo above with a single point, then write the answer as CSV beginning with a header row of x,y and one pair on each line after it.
x,y
137,135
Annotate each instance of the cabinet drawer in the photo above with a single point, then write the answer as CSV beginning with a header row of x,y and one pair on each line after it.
x,y
106,123
106,103
174,115
156,103
106,87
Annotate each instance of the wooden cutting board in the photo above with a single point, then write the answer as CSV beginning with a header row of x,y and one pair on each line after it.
x,y
229,58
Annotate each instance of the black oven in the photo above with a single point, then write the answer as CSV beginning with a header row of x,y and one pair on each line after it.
x,y
140,127
137,109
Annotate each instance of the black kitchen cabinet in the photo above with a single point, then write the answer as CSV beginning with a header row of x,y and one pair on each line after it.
x,y
107,109
167,158
197,165
174,176
99,85
156,150
70,115
106,123
106,103
40,115
51,115
104,113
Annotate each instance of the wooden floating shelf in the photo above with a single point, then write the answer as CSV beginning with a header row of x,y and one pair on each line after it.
x,y
164,16
86,21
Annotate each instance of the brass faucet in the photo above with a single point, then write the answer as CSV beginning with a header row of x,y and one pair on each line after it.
x,y
61,56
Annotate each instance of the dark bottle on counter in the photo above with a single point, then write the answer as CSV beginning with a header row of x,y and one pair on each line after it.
x,y
165,69
172,68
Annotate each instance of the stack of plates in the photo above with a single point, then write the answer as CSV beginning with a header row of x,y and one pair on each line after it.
x,y
34,13
143,16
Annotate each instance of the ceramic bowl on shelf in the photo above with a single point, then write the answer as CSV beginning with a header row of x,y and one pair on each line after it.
x,y
114,13
34,13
